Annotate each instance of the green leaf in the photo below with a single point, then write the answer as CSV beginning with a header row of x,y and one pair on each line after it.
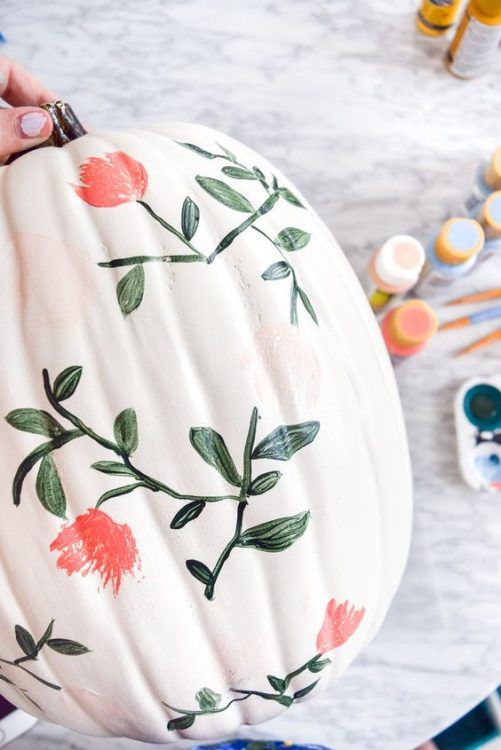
x,y
291,239
289,197
198,150
282,443
211,447
187,513
238,173
264,482
130,290
36,455
199,571
284,700
276,535
318,665
25,641
49,487
278,270
228,153
260,175
306,302
36,421
67,647
183,722
190,216
225,194
125,431
66,382
208,699
113,467
277,683
118,491
43,640
304,691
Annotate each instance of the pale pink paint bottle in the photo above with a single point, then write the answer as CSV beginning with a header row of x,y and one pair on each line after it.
x,y
393,269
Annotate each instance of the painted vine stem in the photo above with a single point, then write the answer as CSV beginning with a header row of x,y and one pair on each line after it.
x,y
126,180
31,648
280,445
211,702
341,620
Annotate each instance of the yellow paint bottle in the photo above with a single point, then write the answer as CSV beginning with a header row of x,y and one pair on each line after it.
x,y
477,39
435,17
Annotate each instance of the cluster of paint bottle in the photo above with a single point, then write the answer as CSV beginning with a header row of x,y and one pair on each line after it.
x,y
402,264
477,37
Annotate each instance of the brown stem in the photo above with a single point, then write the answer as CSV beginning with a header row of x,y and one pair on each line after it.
x,y
66,127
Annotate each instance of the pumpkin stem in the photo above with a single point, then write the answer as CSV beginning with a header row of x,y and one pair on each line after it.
x,y
66,127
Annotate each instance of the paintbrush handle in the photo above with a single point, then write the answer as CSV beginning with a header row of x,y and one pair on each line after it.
x,y
478,297
482,315
485,341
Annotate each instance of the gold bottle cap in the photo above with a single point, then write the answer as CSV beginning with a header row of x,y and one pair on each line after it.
x,y
492,174
459,240
491,8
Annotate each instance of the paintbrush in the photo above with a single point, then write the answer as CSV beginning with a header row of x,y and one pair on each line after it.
x,y
494,336
479,317
477,297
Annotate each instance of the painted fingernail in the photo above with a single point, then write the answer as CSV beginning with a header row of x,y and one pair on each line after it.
x,y
32,124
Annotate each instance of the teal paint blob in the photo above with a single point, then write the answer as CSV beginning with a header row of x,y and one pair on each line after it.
x,y
482,406
463,235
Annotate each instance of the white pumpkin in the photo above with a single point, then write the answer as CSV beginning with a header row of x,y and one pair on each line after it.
x,y
206,488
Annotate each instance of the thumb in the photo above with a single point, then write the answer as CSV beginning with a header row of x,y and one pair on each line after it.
x,y
22,128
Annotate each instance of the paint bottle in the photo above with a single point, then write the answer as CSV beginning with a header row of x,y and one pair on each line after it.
x,y
435,17
407,328
487,180
393,269
452,253
477,39
490,218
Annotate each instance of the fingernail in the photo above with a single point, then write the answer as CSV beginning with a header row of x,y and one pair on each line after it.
x,y
32,124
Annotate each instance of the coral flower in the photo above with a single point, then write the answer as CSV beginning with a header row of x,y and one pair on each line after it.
x,y
112,180
96,543
340,622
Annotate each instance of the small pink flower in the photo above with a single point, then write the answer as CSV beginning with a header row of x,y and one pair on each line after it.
x,y
340,622
94,542
112,180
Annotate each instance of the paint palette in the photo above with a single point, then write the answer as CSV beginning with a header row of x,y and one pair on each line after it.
x,y
478,428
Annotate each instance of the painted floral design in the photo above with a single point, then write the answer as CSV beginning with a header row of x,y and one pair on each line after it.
x,y
94,543
30,649
340,623
112,180
118,178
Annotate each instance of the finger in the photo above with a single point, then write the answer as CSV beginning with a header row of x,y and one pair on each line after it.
x,y
19,87
22,128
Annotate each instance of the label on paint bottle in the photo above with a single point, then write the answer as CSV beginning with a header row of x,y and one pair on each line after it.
x,y
473,48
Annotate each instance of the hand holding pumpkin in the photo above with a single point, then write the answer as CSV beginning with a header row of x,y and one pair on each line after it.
x,y
23,125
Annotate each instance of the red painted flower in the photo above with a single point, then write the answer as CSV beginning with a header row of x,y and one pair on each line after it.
x,y
112,180
96,543
340,622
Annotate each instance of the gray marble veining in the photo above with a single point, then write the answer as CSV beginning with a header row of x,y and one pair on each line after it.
x,y
358,109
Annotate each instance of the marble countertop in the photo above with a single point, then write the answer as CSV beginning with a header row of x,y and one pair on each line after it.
x,y
360,112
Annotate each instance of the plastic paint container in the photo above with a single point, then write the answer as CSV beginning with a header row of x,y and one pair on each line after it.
x,y
452,253
490,216
436,16
487,180
477,39
394,269
408,328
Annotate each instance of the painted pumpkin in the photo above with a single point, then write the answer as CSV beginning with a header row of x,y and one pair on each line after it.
x,y
206,488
